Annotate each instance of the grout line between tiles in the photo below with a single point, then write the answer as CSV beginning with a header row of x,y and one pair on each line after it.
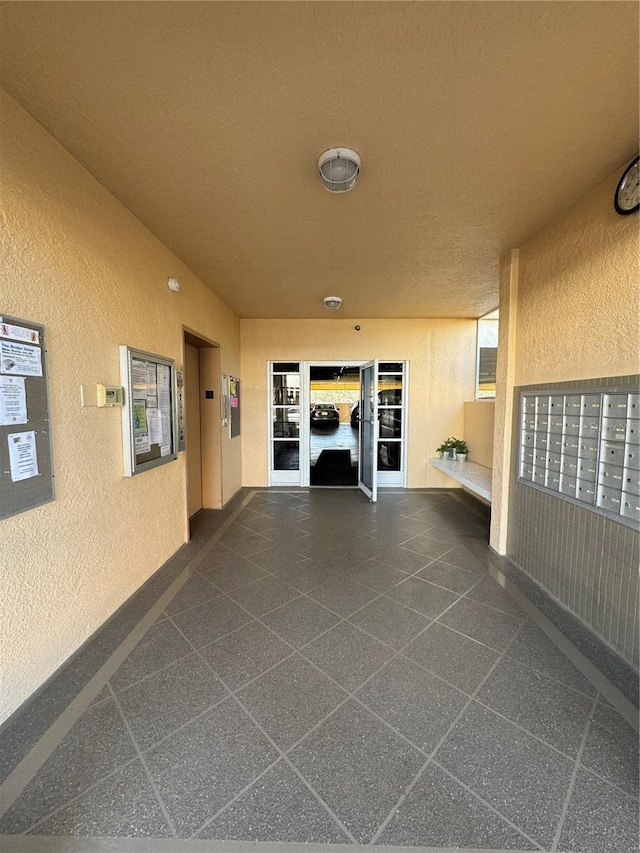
x,y
30,764
622,705
145,766
574,776
441,741
279,750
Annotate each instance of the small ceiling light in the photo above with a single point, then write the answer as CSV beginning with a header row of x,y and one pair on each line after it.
x,y
332,303
173,284
339,169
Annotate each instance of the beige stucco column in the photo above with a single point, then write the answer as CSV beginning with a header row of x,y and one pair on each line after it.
x,y
504,401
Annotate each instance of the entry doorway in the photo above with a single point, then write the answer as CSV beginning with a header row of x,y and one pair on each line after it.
x,y
295,446
334,392
202,423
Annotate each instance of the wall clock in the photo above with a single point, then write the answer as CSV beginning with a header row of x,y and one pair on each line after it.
x,y
627,197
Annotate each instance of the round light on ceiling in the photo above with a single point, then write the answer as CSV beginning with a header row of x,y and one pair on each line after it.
x,y
339,169
332,303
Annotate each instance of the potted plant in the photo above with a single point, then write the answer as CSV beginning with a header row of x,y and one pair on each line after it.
x,y
444,449
461,450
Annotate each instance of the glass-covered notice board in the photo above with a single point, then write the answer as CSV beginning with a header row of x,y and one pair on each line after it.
x,y
149,426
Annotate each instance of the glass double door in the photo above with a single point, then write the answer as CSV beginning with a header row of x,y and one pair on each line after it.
x,y
338,424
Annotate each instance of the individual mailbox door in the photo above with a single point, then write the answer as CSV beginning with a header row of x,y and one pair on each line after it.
x,y
615,405
614,429
587,469
611,475
631,481
609,499
612,454
572,404
552,481
567,485
632,458
571,425
542,404
630,506
633,432
586,491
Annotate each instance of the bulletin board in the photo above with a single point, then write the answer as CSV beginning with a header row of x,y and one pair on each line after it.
x,y
26,470
234,406
149,420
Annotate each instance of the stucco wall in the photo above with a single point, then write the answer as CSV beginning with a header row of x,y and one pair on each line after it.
x,y
478,430
75,260
569,312
578,308
441,377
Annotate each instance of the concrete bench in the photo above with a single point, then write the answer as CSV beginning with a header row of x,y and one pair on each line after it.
x,y
476,478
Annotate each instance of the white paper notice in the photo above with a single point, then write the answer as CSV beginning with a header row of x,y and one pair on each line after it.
x,y
155,426
13,401
19,333
20,359
23,456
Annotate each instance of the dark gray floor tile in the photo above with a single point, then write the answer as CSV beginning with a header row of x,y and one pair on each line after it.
x,y
403,559
489,592
300,621
160,646
348,655
250,544
481,623
312,546
217,556
522,778
207,763
428,546
533,648
235,574
260,523
95,746
124,805
450,577
611,749
417,704
359,767
277,558
377,576
289,699
246,653
167,700
599,819
415,525
264,595
440,813
210,621
464,558
390,621
195,591
343,595
423,596
546,708
279,807
308,574
457,659
387,535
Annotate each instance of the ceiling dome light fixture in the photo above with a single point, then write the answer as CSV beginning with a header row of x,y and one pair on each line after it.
x,y
339,169
332,303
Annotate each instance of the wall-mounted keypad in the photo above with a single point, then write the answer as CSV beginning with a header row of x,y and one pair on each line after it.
x,y
585,447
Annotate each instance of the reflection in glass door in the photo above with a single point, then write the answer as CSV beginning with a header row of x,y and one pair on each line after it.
x,y
367,474
391,382
285,423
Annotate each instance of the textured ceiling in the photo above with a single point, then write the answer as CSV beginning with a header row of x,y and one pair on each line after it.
x,y
476,123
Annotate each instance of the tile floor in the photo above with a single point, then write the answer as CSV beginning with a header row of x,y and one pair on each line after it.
x,y
344,673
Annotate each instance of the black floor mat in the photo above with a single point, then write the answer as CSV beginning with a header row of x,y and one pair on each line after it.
x,y
334,468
